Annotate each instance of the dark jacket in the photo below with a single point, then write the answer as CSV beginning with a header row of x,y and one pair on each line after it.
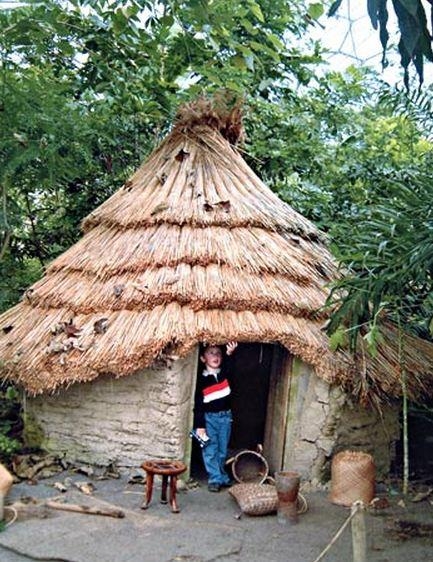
x,y
212,393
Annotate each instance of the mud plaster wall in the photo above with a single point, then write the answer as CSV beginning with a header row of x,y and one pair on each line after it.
x,y
322,421
124,420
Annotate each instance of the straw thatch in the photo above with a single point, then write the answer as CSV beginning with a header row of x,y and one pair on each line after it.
x,y
194,247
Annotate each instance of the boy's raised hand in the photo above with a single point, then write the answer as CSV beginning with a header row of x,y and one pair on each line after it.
x,y
231,346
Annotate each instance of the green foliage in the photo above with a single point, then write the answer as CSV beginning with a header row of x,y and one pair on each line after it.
x,y
415,38
8,446
16,275
10,423
415,106
389,255
338,339
415,41
334,7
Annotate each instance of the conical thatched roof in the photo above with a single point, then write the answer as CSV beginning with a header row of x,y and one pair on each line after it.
x,y
194,247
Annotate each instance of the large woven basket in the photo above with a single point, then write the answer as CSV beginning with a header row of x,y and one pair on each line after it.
x,y
352,478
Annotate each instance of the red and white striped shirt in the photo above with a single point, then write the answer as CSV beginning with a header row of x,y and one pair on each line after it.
x,y
216,391
212,394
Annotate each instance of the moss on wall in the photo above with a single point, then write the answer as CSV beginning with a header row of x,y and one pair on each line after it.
x,y
33,434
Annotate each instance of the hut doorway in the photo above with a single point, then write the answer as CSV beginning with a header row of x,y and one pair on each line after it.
x,y
259,408
250,390
420,426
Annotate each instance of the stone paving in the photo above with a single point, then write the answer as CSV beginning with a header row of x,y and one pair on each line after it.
x,y
207,528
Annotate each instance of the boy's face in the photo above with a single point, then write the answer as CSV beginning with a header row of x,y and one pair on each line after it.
x,y
212,357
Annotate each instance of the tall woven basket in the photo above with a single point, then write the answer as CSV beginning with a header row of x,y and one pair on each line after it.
x,y
352,478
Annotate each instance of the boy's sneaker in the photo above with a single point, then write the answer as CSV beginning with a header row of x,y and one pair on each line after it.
x,y
214,487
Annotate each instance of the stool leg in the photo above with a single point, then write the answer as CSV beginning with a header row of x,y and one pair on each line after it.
x,y
149,490
164,488
173,488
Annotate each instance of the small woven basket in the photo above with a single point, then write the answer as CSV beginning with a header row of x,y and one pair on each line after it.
x,y
249,466
255,499
261,499
352,478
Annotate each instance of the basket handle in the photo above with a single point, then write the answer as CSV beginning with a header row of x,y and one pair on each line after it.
x,y
270,480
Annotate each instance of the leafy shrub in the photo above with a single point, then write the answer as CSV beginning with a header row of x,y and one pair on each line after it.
x,y
10,423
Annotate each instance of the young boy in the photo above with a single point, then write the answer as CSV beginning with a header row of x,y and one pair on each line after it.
x,y
212,414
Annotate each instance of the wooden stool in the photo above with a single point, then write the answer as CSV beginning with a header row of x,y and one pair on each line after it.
x,y
168,470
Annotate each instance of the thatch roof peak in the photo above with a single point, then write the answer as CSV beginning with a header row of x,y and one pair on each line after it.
x,y
197,178
220,113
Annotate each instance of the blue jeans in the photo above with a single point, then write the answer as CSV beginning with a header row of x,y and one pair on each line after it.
x,y
218,428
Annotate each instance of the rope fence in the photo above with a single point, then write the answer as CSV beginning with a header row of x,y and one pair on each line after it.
x,y
359,537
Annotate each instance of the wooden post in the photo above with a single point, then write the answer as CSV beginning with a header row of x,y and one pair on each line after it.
x,y
359,535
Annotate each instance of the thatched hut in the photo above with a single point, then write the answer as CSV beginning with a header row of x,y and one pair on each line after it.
x,y
194,247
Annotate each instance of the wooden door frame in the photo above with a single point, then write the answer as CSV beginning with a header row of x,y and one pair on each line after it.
x,y
277,410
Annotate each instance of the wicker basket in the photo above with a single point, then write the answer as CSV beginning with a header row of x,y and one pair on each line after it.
x,y
249,466
261,499
255,499
352,478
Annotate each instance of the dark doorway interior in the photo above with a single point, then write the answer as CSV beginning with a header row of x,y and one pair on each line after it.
x,y
250,388
250,377
420,429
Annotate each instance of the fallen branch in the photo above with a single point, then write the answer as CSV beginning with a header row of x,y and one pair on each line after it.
x,y
109,512
404,529
422,495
